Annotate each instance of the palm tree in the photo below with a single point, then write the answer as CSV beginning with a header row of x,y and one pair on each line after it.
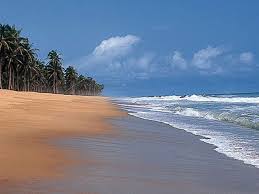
x,y
82,86
55,70
13,53
16,52
20,68
71,79
39,79
5,44
29,61
99,89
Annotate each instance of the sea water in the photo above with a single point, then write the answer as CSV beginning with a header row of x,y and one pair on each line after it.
x,y
230,122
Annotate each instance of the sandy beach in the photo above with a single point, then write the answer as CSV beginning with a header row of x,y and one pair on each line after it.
x,y
30,120
71,144
129,97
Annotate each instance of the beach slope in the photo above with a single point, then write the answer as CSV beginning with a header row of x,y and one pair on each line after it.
x,y
30,120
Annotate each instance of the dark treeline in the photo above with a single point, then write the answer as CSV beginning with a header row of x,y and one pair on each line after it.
x,y
21,70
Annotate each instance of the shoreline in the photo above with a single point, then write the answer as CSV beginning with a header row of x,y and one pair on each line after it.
x,y
209,170
201,138
127,153
149,157
231,139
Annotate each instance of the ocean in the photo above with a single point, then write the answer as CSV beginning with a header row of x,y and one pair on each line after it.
x,y
230,122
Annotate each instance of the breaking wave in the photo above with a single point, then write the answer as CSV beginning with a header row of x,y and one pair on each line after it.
x,y
226,121
241,120
200,98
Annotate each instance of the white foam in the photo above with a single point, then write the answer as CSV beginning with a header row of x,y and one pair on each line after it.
x,y
189,113
194,113
241,120
225,143
199,98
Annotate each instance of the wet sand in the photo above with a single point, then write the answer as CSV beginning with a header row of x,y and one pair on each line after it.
x,y
147,157
29,121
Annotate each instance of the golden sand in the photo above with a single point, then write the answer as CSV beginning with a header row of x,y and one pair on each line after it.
x,y
29,120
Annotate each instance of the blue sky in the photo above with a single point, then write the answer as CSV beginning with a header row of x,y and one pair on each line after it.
x,y
148,47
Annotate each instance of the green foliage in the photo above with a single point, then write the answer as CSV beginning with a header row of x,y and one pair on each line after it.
x,y
21,70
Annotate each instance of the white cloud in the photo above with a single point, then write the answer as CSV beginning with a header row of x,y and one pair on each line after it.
x,y
178,61
116,59
203,59
135,66
113,48
246,57
212,60
141,63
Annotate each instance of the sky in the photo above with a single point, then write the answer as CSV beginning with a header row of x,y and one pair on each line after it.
x,y
143,47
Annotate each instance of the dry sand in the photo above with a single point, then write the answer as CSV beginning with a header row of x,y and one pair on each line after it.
x,y
29,120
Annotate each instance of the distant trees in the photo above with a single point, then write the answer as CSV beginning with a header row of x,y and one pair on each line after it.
x,y
71,78
55,71
21,70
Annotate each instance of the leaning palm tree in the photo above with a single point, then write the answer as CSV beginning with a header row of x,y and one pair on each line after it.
x,y
39,79
28,67
99,89
71,79
13,55
55,70
5,47
81,86
14,51
12,62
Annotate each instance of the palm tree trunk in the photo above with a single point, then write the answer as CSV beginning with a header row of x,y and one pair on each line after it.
x,y
55,89
13,87
24,81
28,85
73,88
10,78
54,84
17,80
1,66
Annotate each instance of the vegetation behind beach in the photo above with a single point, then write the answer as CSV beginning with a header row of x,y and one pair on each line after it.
x,y
22,70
